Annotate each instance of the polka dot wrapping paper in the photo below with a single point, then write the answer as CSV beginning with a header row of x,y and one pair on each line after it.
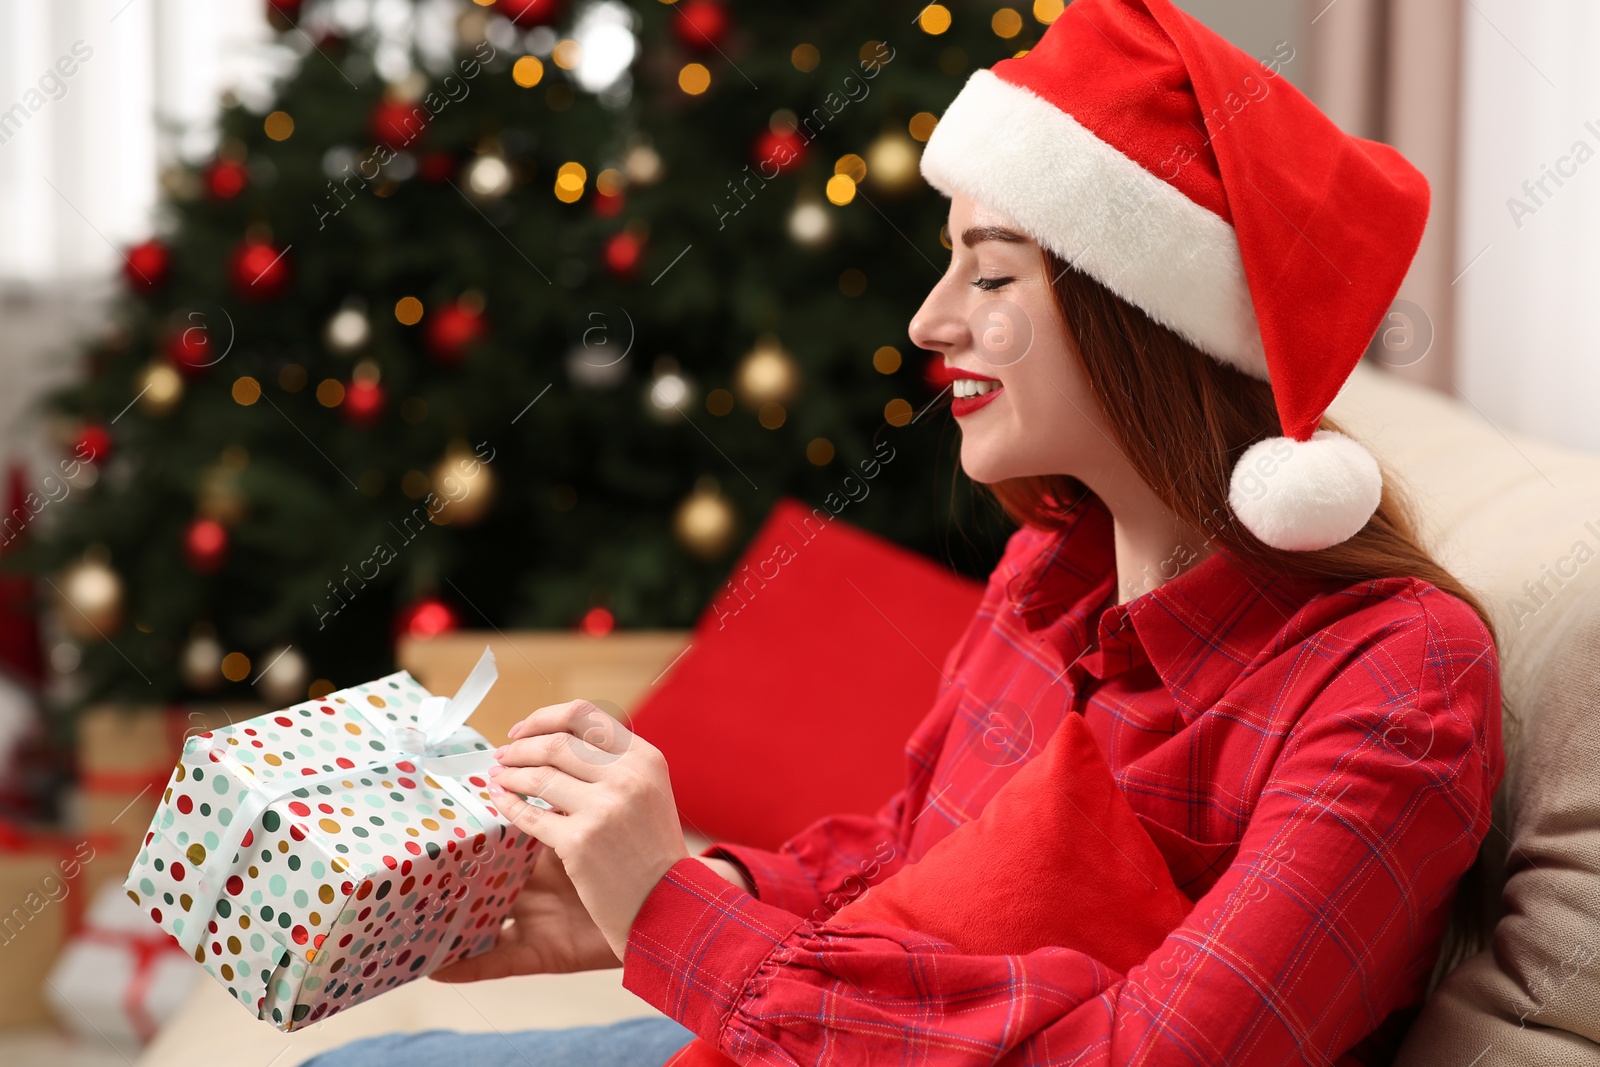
x,y
314,857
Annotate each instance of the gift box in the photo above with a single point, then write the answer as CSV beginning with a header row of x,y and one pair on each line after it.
x,y
312,858
119,978
42,896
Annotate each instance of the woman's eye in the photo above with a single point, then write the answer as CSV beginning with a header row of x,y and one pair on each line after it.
x,y
988,284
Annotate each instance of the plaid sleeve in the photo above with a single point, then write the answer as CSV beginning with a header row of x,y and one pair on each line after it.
x,y
826,865
1326,922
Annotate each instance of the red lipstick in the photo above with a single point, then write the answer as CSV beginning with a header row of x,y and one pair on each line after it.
x,y
943,375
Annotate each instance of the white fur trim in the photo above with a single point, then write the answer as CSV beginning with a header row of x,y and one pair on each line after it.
x,y
1013,151
1305,495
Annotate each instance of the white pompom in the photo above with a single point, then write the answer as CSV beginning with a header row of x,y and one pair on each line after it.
x,y
1304,495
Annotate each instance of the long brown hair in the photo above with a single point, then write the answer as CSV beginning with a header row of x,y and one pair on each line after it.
x,y
1182,419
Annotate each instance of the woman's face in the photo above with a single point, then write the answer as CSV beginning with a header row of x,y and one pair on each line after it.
x,y
1020,395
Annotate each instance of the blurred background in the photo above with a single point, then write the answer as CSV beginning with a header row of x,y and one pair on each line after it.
x,y
332,328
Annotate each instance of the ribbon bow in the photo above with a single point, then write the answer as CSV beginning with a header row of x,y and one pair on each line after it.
x,y
437,722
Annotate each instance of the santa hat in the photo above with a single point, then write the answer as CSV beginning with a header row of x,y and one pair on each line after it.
x,y
1190,180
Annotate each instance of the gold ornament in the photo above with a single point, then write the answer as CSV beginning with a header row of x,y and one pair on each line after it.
x,y
465,484
92,595
705,523
809,222
768,374
892,162
179,182
201,664
160,389
642,164
407,90
218,496
284,677
472,27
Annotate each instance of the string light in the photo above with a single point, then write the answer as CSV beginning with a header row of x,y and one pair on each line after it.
x,y
1006,23
279,125
567,54
1047,11
570,180
694,78
408,311
527,71
934,19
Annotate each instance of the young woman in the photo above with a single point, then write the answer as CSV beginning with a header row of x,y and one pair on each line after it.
x,y
1164,263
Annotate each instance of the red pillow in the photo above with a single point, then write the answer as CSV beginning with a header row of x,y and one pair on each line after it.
x,y
1056,857
804,677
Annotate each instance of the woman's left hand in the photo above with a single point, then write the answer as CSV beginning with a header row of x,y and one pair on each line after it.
x,y
616,830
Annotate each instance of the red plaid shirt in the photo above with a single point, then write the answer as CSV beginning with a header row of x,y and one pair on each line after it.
x,y
1315,763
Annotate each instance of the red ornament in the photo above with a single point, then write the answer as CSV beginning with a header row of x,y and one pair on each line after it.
x,y
597,622
93,444
528,12
608,205
146,265
259,269
397,123
205,545
701,24
190,348
428,617
363,402
283,14
437,167
452,330
622,254
226,179
776,151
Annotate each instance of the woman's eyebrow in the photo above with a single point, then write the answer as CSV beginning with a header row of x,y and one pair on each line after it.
x,y
973,234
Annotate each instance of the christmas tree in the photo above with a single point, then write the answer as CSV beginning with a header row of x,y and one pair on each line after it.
x,y
523,324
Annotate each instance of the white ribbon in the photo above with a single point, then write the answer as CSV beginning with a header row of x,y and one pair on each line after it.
x,y
437,721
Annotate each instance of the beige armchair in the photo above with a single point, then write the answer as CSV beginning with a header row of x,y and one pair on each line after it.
x,y
1506,514
1519,522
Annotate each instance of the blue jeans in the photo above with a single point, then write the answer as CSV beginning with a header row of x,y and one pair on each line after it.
x,y
647,1042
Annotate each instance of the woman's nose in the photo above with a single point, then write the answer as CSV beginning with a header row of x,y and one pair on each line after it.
x,y
936,327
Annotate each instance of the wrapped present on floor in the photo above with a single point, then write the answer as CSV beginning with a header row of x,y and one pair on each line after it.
x,y
119,978
314,857
124,757
43,872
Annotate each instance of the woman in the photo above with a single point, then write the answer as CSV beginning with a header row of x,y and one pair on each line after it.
x,y
1164,264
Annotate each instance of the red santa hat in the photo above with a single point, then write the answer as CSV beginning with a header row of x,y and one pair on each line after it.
x,y
1190,180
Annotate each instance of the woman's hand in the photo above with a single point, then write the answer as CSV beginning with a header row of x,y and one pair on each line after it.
x,y
551,933
616,827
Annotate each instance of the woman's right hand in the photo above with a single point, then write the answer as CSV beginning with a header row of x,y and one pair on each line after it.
x,y
551,932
